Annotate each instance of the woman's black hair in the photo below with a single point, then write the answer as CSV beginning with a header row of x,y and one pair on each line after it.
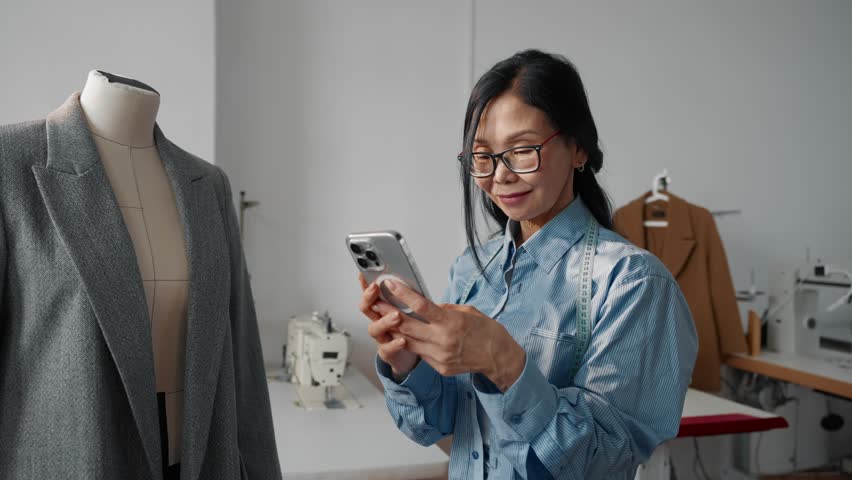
x,y
551,84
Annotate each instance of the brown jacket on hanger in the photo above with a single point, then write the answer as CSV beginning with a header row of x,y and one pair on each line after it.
x,y
692,250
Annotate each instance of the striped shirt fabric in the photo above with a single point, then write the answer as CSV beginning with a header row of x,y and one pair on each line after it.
x,y
627,395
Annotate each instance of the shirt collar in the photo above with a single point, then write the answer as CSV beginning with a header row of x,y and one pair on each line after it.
x,y
548,245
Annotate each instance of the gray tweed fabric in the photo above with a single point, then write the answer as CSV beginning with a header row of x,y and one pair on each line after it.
x,y
77,396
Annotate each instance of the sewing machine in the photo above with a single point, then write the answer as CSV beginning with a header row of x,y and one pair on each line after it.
x,y
810,312
315,359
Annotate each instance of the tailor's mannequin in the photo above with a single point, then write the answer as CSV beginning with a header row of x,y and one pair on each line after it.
x,y
121,114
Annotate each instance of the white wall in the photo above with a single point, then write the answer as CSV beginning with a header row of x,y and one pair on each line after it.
x,y
344,116
340,117
48,47
746,103
748,106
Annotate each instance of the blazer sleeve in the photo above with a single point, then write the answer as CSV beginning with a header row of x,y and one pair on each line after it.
x,y
3,251
2,263
256,436
726,312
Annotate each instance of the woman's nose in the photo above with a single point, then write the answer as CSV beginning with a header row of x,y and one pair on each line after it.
x,y
502,174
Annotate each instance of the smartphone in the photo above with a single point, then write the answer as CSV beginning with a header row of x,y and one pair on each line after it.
x,y
384,255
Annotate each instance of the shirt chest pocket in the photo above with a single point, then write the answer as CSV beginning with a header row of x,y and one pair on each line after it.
x,y
553,353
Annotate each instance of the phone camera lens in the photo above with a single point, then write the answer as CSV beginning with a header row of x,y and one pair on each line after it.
x,y
363,263
355,248
372,256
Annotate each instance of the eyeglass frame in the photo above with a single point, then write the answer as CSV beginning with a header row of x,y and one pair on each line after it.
x,y
495,156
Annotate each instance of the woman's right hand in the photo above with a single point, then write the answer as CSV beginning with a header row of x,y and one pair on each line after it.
x,y
390,344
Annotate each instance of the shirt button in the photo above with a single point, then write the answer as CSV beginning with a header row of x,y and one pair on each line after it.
x,y
475,455
516,419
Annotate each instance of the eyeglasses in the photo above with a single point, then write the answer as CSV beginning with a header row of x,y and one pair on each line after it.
x,y
523,159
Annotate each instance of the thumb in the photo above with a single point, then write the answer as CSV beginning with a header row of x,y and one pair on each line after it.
x,y
419,304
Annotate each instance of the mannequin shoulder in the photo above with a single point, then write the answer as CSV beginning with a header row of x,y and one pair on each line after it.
x,y
22,144
33,130
197,165
194,162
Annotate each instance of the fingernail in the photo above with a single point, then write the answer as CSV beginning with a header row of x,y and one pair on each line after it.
x,y
395,317
392,285
375,308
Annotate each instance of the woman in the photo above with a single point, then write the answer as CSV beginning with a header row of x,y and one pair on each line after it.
x,y
562,351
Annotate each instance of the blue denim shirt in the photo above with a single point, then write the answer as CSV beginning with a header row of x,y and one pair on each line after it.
x,y
628,393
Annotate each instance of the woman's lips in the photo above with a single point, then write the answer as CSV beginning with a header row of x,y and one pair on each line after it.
x,y
513,198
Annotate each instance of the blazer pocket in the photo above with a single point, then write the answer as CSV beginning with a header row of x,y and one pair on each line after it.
x,y
553,353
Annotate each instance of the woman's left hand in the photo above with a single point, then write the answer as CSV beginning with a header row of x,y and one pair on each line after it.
x,y
458,338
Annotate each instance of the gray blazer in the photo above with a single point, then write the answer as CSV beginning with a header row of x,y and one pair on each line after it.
x,y
77,396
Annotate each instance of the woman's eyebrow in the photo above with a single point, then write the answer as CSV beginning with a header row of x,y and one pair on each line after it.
x,y
514,136
522,133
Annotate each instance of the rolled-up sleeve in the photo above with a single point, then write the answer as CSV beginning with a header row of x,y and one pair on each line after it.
x,y
627,396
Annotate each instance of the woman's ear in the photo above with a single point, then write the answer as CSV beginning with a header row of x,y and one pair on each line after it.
x,y
579,158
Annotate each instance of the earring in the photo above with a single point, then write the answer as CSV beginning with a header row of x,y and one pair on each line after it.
x,y
581,168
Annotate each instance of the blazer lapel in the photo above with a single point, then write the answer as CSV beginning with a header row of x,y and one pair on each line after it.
x,y
680,240
202,213
84,211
